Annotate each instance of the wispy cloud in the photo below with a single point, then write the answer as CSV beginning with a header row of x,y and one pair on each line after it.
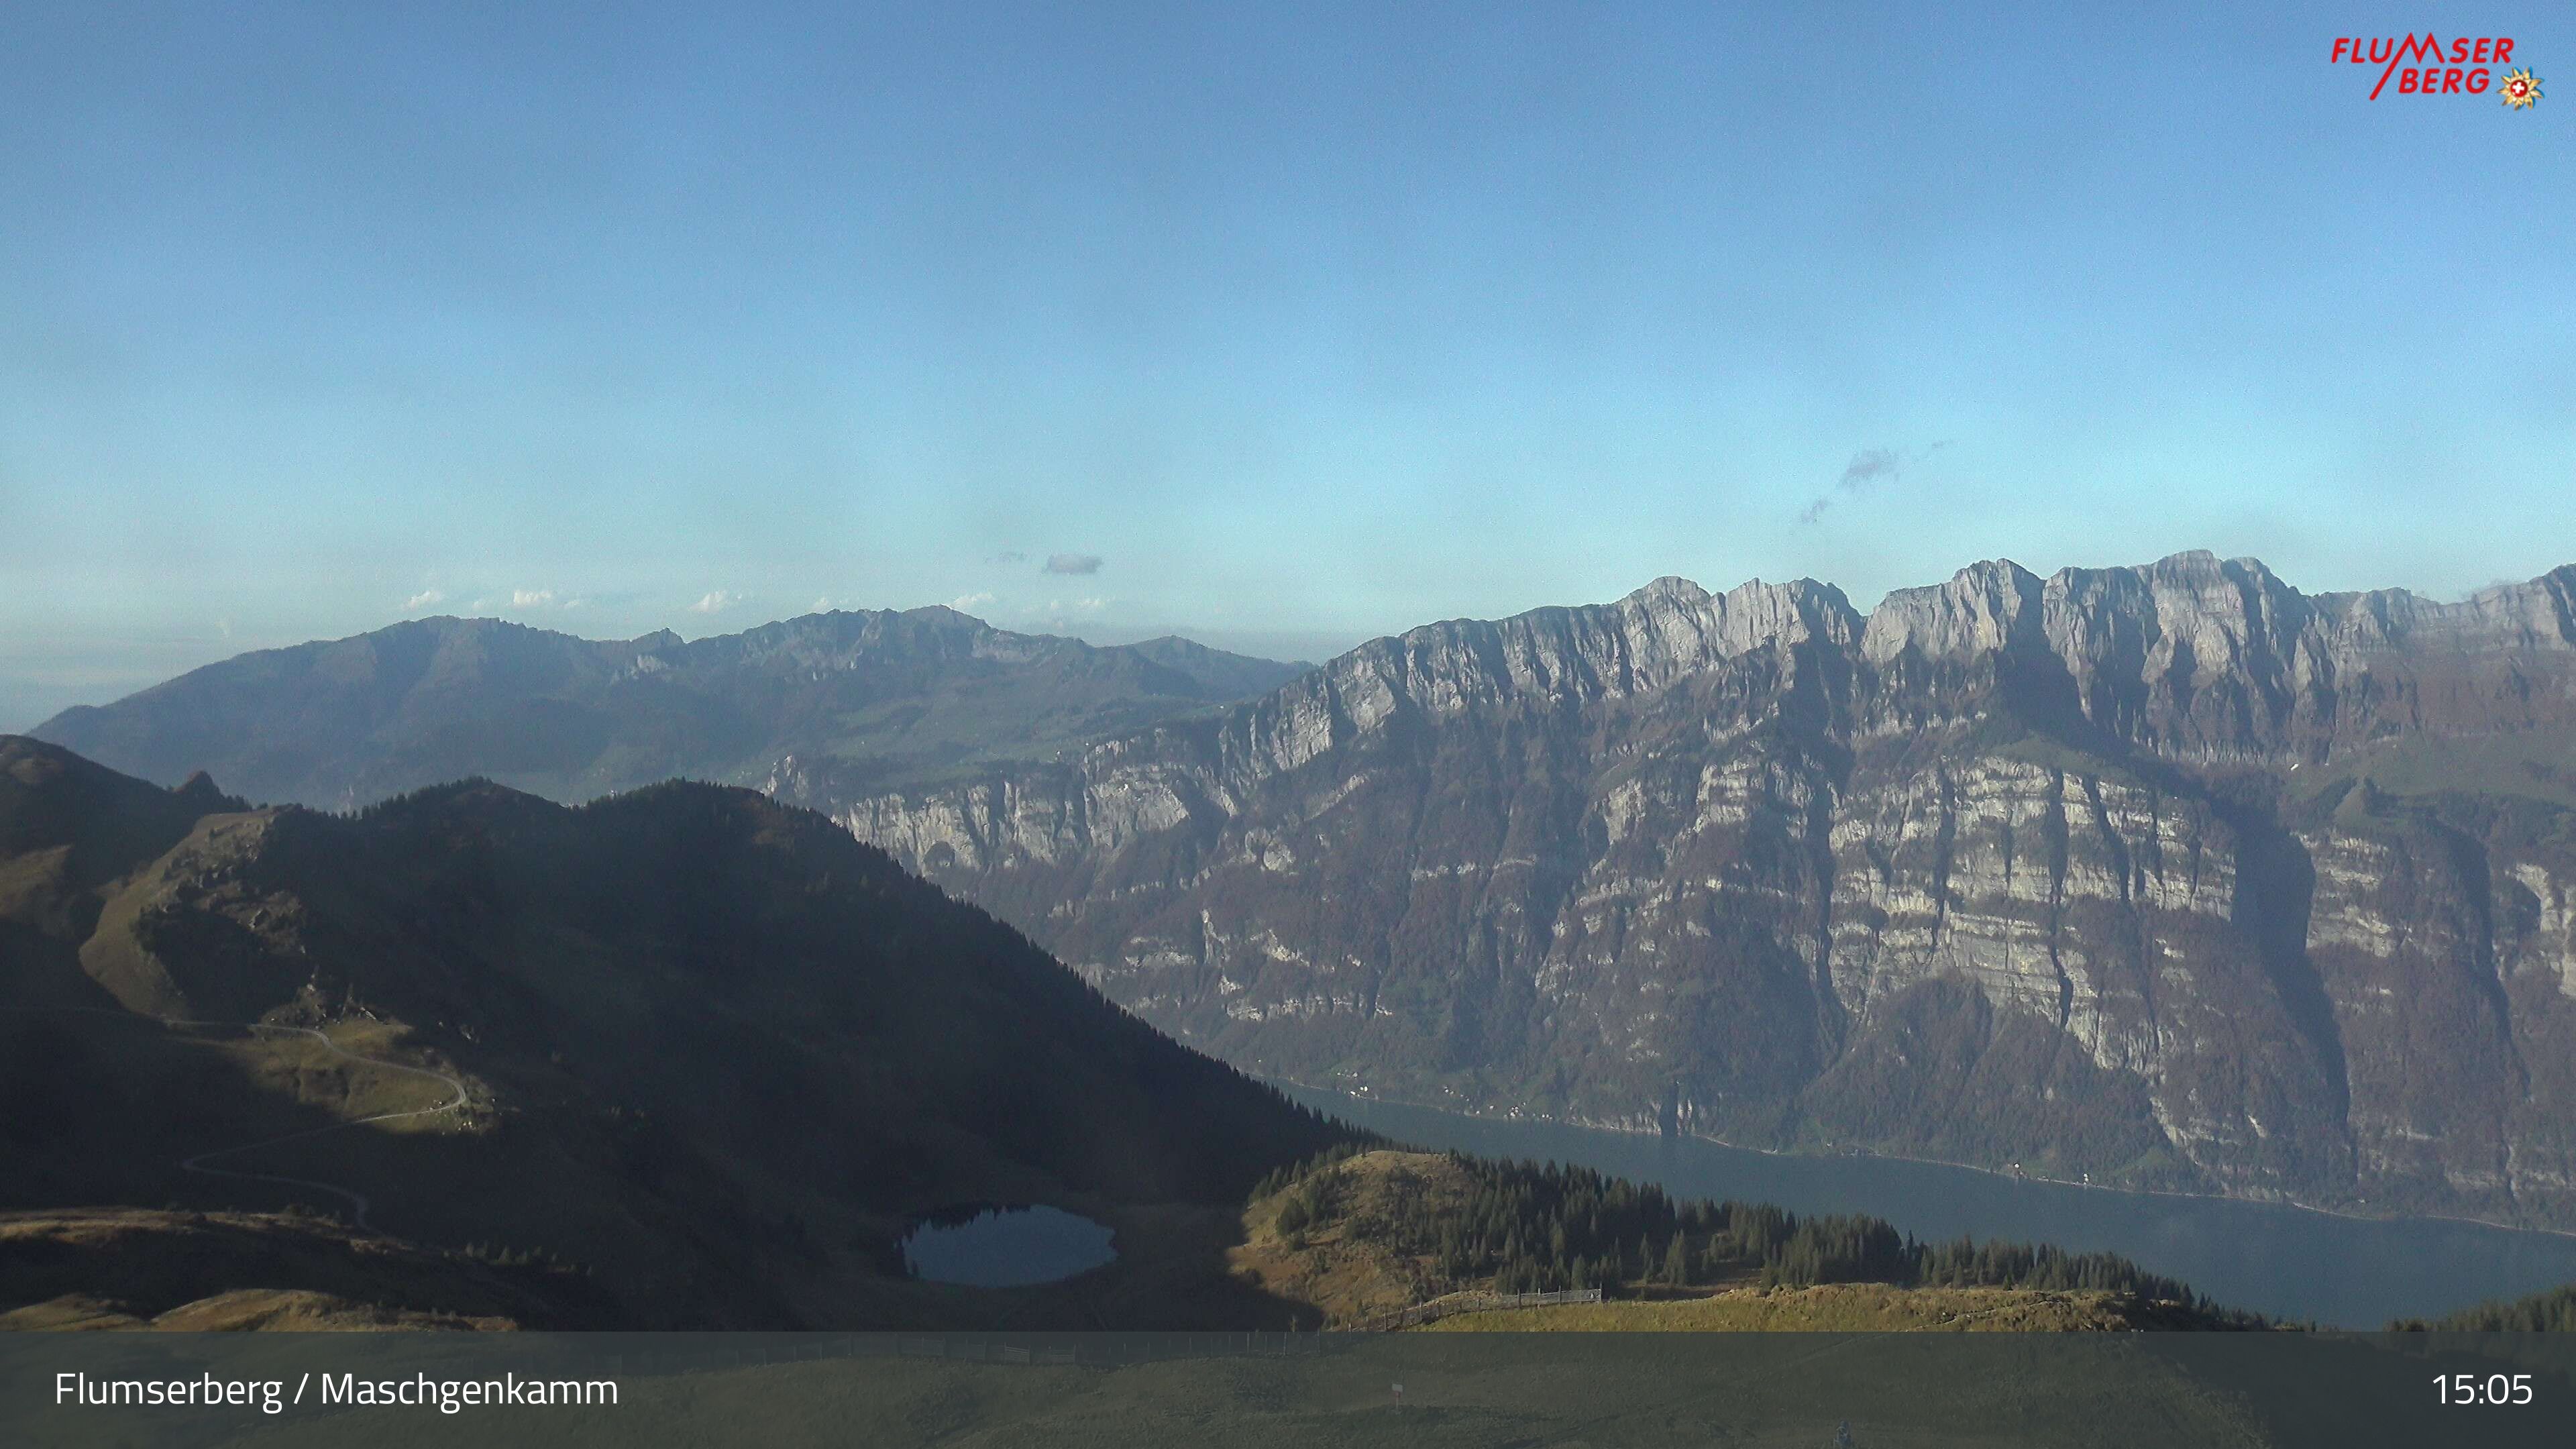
x,y
1010,556
969,603
1073,563
1869,465
531,598
424,599
715,601
1869,468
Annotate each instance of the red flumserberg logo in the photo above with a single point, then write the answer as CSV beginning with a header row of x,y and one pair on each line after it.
x,y
2424,66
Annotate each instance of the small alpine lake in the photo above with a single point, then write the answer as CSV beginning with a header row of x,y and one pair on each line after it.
x,y
986,1245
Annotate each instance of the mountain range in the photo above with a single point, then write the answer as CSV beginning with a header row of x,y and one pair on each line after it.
x,y
865,700
2169,876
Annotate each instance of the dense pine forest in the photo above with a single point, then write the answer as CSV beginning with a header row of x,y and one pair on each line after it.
x,y
2550,1312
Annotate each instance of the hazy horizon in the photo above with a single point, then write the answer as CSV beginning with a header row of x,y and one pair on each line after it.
x,y
28,708
1279,332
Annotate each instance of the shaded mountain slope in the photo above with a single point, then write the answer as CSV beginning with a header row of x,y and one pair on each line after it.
x,y
715,1050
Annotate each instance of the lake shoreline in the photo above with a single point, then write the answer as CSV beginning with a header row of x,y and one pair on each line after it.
x,y
2002,1174
2291,1261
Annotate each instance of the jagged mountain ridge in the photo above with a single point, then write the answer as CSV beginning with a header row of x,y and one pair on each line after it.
x,y
2171,874
869,699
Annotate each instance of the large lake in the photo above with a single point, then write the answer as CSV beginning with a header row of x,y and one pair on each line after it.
x,y
2284,1261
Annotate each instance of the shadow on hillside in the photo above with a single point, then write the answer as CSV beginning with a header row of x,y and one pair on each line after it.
x,y
101,1106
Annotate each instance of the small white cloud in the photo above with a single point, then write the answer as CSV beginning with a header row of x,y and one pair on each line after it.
x,y
715,601
969,603
531,598
424,599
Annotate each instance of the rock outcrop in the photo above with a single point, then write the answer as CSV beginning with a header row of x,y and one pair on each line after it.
x,y
2172,875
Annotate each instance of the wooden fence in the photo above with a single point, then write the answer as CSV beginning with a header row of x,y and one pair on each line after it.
x,y
1457,1303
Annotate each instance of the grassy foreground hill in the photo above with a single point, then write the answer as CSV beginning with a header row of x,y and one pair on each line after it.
x,y
96,1268
706,1049
1364,1233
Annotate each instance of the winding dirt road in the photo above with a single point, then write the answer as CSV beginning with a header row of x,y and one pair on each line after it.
x,y
357,1200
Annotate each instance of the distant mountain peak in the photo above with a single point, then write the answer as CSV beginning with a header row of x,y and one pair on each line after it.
x,y
1673,587
865,694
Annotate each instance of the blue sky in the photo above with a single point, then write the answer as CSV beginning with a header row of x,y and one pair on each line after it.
x,y
1305,322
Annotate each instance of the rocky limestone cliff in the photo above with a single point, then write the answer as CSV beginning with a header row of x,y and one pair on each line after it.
x,y
2171,875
